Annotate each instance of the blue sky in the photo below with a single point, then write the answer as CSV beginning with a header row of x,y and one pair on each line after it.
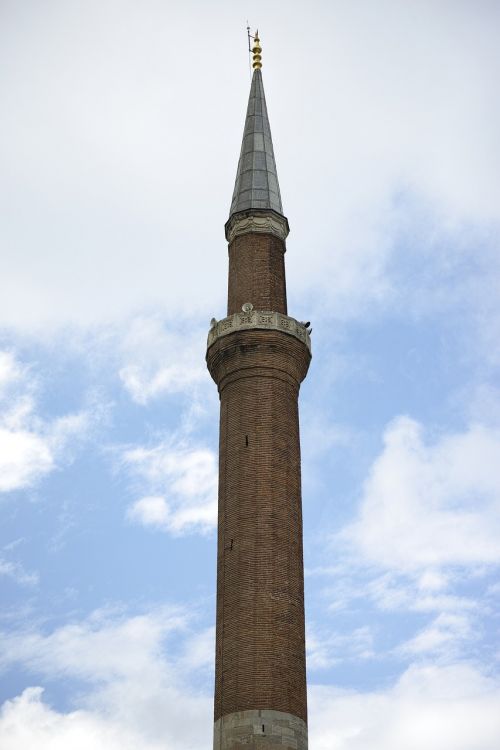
x,y
121,128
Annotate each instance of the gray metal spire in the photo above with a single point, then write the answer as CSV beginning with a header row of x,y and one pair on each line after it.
x,y
256,183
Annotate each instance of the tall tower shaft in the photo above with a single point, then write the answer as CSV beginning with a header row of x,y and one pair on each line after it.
x,y
258,356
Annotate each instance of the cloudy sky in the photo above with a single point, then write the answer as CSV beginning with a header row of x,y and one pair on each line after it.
x,y
121,123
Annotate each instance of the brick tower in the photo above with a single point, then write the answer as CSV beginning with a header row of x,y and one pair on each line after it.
x,y
258,356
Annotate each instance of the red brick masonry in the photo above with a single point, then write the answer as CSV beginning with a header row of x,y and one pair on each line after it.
x,y
260,645
257,273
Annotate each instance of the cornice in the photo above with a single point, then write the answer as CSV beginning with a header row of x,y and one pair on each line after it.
x,y
257,221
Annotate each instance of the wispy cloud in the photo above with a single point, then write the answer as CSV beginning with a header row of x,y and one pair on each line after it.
x,y
326,648
17,572
30,446
186,477
162,358
443,638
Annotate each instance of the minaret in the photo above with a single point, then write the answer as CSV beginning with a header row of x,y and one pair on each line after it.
x,y
258,356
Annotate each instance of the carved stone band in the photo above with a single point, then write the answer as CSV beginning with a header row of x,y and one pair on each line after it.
x,y
259,221
259,319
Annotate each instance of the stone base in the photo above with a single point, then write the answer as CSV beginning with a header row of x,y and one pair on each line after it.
x,y
263,730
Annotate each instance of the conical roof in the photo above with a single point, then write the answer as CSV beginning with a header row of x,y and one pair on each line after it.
x,y
256,183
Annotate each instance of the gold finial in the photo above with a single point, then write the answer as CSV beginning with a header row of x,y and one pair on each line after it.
x,y
256,50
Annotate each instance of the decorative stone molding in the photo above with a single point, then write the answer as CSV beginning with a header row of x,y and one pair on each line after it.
x,y
264,728
257,221
260,319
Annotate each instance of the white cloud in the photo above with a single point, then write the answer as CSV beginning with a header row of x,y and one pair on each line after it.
x,y
138,694
423,540
104,647
29,446
439,708
160,358
433,580
393,158
149,511
10,371
187,479
127,193
199,650
430,504
25,458
27,723
134,695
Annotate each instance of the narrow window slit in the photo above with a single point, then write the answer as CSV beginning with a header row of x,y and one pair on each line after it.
x,y
246,441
